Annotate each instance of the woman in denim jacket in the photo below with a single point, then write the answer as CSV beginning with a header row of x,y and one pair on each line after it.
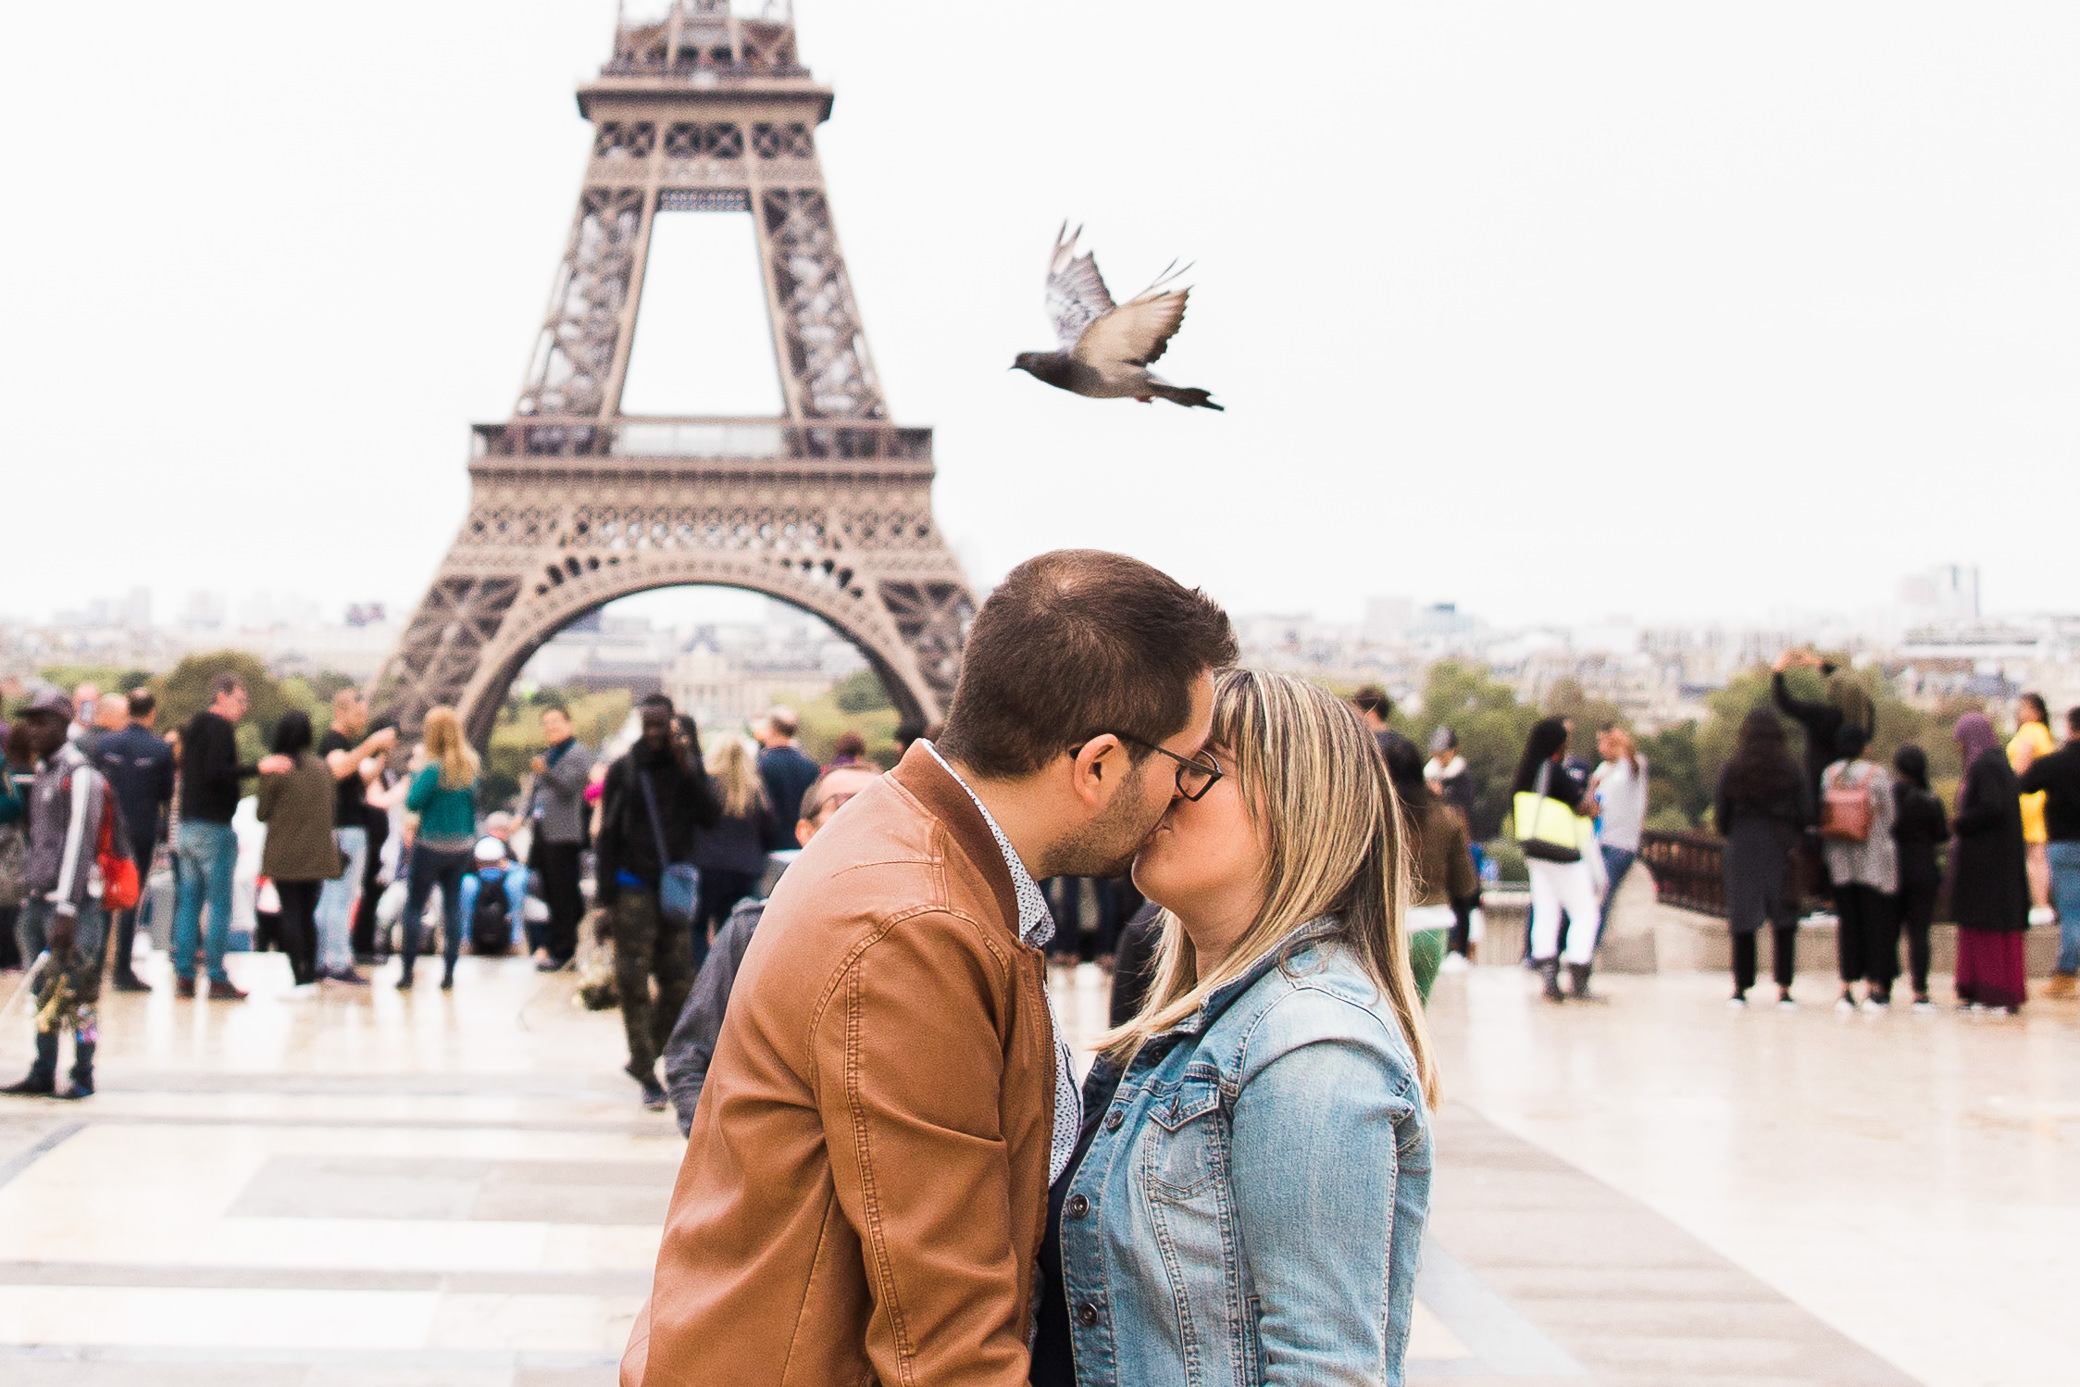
x,y
1248,1196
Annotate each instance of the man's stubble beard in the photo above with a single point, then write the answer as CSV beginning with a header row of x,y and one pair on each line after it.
x,y
1107,845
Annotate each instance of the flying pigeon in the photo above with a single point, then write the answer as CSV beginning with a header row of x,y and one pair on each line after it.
x,y
1106,347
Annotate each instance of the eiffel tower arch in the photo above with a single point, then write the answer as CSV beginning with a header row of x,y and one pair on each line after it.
x,y
574,503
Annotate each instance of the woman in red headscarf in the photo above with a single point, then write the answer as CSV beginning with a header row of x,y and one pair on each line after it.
x,y
1989,892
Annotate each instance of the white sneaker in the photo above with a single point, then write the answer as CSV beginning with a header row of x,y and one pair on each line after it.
x,y
1845,1006
1453,963
1873,1007
1786,1004
2042,915
1737,1003
1926,1008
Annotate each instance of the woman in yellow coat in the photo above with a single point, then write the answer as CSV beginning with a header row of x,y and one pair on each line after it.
x,y
2033,739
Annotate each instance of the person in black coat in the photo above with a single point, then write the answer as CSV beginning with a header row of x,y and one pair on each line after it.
x,y
1759,810
1919,827
1989,884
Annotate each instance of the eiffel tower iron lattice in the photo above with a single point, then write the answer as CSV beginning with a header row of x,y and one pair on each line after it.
x,y
574,504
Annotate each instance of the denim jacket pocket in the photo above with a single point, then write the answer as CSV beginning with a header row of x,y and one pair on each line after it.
x,y
1186,1148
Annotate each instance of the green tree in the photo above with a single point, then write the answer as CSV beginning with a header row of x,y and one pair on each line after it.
x,y
183,691
1491,726
860,692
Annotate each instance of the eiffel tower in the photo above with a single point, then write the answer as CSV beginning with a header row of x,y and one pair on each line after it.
x,y
574,503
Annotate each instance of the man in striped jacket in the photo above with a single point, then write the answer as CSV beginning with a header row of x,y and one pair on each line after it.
x,y
62,914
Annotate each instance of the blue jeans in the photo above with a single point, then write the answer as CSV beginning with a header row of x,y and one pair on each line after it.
x,y
336,903
516,896
1616,863
2065,894
432,867
205,855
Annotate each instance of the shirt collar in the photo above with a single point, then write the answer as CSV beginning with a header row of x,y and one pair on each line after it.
x,y
1035,920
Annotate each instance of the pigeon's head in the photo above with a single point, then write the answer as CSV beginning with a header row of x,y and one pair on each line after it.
x,y
1048,366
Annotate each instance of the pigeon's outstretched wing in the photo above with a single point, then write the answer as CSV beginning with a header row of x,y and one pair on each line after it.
x,y
1076,294
1139,330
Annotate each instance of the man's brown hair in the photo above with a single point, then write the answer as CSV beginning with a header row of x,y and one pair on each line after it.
x,y
1076,643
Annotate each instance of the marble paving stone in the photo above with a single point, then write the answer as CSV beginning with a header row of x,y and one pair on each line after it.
x,y
1654,1192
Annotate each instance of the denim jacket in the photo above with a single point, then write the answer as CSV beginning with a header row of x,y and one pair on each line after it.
x,y
1251,1206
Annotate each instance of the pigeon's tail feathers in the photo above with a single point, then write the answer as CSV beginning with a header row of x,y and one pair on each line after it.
x,y
1190,396
1171,273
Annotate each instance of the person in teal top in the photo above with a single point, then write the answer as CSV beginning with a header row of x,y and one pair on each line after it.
x,y
444,796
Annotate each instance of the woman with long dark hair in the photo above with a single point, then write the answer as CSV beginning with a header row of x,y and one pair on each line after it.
x,y
1760,810
1440,862
1989,893
300,854
1919,827
1561,881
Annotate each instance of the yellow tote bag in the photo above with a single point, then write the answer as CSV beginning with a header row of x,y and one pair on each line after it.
x,y
1543,826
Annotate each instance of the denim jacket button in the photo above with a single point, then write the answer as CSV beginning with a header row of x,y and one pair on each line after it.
x,y
1086,1314
1078,1206
1113,1119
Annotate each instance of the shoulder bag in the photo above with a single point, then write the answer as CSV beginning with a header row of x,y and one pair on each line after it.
x,y
678,883
1544,827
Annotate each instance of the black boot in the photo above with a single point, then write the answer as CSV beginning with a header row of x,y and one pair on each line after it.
x,y
1549,970
1578,977
82,1085
42,1081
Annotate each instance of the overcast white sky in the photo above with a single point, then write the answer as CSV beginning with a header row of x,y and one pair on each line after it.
x,y
1744,305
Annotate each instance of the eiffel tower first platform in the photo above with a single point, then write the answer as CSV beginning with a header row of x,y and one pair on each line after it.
x,y
574,504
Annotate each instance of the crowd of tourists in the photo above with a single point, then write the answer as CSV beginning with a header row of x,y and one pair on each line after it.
x,y
1886,848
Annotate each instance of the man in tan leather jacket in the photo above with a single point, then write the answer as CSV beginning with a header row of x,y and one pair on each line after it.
x,y
865,1186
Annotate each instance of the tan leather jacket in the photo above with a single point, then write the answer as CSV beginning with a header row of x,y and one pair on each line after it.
x,y
864,1190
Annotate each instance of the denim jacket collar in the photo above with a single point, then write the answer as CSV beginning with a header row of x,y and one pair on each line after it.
x,y
1218,1000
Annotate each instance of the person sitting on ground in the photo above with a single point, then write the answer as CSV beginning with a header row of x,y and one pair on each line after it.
x,y
692,1044
494,853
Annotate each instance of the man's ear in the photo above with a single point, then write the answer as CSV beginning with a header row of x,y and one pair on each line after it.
x,y
1097,768
803,832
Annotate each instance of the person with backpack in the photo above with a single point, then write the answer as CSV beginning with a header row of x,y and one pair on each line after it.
x,y
74,828
1857,809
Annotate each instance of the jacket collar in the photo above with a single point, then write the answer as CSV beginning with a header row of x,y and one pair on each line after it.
x,y
1221,997
925,780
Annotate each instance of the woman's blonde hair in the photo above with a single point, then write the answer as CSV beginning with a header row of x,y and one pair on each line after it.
x,y
736,777
1315,787
447,748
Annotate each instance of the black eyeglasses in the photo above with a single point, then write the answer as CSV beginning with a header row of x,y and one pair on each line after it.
x,y
1195,776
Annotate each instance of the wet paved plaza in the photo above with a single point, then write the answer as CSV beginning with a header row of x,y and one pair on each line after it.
x,y
460,1189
